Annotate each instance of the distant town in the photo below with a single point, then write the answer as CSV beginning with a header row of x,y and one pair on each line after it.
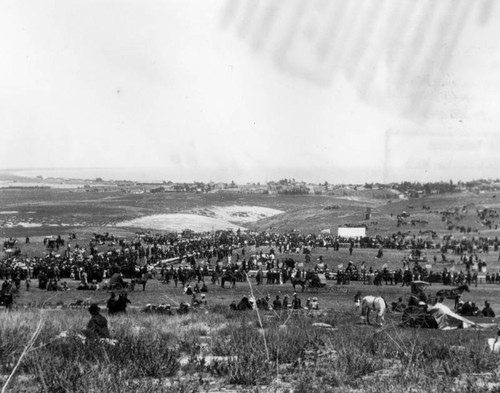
x,y
401,190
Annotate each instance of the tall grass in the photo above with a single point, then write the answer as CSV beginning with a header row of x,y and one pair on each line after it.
x,y
298,355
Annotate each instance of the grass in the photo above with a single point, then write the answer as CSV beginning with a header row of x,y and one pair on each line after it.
x,y
299,357
303,358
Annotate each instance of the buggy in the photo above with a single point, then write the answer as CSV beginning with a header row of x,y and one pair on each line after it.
x,y
416,315
317,280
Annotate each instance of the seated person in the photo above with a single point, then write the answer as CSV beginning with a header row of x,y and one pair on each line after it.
x,y
474,310
52,285
97,327
466,309
83,286
398,306
194,301
315,304
204,287
188,290
487,311
196,288
183,308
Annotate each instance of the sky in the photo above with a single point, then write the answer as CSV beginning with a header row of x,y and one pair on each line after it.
x,y
252,90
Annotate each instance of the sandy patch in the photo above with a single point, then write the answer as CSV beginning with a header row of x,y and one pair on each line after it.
x,y
178,222
22,224
239,214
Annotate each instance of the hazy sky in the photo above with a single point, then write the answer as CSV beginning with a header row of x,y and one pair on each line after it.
x,y
248,90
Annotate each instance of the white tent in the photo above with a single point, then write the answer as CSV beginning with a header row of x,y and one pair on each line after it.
x,y
447,319
352,232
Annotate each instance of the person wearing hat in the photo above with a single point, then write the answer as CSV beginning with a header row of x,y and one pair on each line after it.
x,y
285,302
296,303
97,327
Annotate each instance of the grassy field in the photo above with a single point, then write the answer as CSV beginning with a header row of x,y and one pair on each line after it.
x,y
287,353
268,352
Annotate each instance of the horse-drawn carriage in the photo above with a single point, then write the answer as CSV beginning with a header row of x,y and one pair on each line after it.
x,y
312,280
415,314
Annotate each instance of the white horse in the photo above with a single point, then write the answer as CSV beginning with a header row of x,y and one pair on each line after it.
x,y
373,303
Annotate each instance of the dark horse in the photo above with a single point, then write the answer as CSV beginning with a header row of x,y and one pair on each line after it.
x,y
138,281
453,293
299,281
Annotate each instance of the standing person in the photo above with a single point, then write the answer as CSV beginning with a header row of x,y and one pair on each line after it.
x,y
8,298
296,303
285,302
97,326
111,304
258,277
277,303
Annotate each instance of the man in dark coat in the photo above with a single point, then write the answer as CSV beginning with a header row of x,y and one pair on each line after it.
x,y
121,303
488,311
111,304
296,303
97,327
277,303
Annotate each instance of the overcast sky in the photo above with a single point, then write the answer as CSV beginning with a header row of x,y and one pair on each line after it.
x,y
248,90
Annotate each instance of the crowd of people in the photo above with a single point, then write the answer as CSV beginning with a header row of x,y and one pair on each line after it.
x,y
224,258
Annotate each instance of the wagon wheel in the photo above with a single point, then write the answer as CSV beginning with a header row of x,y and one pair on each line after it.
x,y
413,317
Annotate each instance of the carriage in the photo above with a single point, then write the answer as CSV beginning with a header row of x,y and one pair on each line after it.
x,y
312,281
318,280
416,315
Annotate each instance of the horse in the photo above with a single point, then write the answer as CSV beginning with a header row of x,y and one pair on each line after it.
x,y
453,293
375,303
138,281
299,281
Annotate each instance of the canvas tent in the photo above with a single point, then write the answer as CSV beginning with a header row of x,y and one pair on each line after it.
x,y
447,319
352,232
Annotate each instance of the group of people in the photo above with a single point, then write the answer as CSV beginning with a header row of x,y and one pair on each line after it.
x,y
267,303
470,309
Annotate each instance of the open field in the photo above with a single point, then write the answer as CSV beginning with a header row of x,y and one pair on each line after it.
x,y
271,352
51,210
299,357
